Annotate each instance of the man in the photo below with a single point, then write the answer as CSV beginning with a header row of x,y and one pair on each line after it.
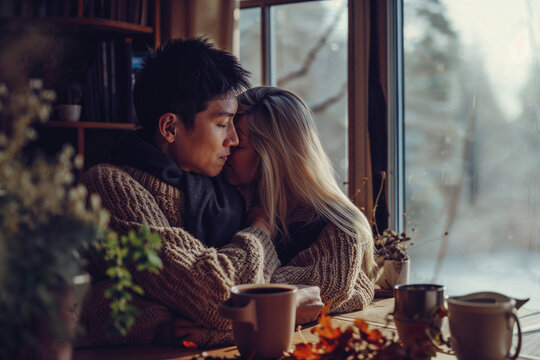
x,y
167,175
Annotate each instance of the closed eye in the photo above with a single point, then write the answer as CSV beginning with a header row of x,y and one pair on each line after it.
x,y
224,121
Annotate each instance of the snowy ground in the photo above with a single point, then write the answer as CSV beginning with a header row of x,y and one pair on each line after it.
x,y
513,272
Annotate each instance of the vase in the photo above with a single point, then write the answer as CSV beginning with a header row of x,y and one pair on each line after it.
x,y
394,272
50,347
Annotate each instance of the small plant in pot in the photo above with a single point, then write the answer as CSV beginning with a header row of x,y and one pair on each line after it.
x,y
390,251
392,258
70,108
47,222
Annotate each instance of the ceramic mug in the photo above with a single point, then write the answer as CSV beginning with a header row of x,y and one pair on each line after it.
x,y
69,112
416,309
263,318
481,326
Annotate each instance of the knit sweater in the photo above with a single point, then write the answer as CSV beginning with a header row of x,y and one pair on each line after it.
x,y
194,279
333,263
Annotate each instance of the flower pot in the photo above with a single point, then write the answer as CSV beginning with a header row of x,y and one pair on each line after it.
x,y
394,272
50,346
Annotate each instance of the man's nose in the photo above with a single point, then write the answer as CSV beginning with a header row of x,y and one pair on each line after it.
x,y
232,136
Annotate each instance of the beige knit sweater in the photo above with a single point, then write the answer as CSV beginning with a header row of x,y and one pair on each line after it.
x,y
194,278
333,262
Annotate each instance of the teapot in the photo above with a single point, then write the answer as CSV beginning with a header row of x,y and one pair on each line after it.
x,y
482,324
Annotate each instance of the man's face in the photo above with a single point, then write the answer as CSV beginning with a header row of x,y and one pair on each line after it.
x,y
204,149
241,169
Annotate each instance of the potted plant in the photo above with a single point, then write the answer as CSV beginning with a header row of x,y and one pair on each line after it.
x,y
69,108
390,251
392,258
47,222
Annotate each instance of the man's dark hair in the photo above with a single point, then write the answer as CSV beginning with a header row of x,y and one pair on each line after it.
x,y
182,77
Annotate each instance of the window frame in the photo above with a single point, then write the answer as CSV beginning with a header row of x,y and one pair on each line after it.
x,y
359,167
396,134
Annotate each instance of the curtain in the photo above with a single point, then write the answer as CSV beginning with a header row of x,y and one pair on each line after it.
x,y
216,19
367,109
378,123
360,177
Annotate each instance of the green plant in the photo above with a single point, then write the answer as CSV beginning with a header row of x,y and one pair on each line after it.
x,y
46,222
139,248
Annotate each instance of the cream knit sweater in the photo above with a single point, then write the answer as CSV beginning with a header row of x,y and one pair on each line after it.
x,y
194,278
333,263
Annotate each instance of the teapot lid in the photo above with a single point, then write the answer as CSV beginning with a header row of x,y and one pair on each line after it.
x,y
483,301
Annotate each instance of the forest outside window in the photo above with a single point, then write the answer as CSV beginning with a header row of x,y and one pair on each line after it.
x,y
472,144
470,125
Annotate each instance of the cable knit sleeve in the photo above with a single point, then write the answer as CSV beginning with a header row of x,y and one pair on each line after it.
x,y
194,279
332,262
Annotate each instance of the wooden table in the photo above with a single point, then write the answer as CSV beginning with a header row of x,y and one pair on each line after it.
x,y
375,315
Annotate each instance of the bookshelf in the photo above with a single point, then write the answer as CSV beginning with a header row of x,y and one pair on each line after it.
x,y
97,42
88,24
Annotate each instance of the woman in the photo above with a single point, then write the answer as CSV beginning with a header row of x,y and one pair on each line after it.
x,y
279,165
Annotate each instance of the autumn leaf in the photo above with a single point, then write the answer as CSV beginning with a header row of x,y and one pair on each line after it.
x,y
361,325
325,330
355,342
189,345
442,312
305,352
375,337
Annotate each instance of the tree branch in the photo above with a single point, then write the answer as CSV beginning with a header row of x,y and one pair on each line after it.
x,y
330,101
310,57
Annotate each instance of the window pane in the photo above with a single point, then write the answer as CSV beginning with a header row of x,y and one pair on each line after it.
x,y
310,53
472,144
250,43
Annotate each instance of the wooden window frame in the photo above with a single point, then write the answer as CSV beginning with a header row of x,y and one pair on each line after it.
x,y
359,170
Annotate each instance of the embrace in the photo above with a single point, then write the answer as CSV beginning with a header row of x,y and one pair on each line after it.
x,y
236,183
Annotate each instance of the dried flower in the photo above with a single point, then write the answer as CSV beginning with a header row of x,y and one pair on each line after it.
x,y
392,246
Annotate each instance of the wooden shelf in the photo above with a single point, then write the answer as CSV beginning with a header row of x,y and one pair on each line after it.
x,y
86,24
106,47
90,125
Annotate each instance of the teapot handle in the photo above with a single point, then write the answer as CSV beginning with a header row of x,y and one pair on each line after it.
x,y
518,349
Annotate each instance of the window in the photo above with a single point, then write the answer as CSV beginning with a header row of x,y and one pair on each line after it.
x,y
302,47
472,144
470,124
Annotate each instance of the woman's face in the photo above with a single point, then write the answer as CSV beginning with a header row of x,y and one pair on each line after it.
x,y
241,167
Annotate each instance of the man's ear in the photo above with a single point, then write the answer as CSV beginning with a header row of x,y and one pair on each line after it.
x,y
167,127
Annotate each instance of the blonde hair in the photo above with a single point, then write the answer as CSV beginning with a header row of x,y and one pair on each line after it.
x,y
294,171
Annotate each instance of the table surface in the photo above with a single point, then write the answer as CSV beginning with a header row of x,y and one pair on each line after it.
x,y
375,314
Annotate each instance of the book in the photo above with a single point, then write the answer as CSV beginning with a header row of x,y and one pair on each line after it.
x,y
144,13
105,94
125,80
111,61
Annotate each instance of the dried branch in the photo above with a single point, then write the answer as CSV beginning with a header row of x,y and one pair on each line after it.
x,y
312,54
455,194
330,101
383,177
